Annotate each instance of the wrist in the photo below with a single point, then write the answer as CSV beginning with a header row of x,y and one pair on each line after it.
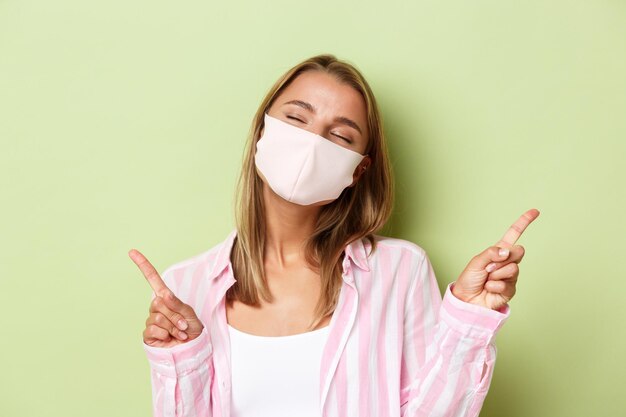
x,y
455,291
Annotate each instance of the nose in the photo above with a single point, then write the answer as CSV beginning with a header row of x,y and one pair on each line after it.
x,y
319,128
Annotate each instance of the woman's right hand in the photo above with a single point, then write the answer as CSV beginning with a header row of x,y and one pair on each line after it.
x,y
171,322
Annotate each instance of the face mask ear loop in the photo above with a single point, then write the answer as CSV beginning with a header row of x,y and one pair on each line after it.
x,y
364,167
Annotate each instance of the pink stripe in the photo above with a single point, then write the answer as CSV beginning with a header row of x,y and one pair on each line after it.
x,y
335,334
404,280
481,393
438,384
381,336
341,386
216,399
177,277
177,394
196,382
196,279
225,337
365,324
211,298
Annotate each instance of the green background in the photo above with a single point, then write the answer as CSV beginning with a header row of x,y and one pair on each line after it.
x,y
123,122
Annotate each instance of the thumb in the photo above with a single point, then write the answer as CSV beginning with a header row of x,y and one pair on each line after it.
x,y
487,259
195,325
175,304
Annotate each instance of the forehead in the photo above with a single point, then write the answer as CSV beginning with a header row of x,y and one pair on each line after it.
x,y
329,95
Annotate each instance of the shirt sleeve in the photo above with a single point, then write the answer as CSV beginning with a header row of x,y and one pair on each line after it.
x,y
181,375
449,349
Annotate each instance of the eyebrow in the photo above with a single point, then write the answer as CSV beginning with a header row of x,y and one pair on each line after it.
x,y
340,119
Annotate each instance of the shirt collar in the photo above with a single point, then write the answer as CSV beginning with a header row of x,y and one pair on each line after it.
x,y
355,251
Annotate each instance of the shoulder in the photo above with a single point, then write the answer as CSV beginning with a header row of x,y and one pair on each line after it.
x,y
387,245
399,260
395,253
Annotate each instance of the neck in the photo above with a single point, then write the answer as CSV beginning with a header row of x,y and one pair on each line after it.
x,y
288,225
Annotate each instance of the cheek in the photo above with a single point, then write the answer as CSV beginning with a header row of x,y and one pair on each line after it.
x,y
365,148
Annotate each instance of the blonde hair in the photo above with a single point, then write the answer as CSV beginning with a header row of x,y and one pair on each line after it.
x,y
359,212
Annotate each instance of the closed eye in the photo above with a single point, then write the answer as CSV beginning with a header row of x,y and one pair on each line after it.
x,y
346,139
295,118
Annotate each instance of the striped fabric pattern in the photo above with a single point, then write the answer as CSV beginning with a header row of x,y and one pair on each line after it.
x,y
395,348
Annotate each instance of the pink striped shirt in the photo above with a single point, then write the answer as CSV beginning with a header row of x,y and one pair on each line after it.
x,y
394,348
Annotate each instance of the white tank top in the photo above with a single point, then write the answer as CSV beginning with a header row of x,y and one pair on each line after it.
x,y
276,376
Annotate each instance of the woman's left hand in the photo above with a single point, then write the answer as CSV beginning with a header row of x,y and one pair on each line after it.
x,y
489,278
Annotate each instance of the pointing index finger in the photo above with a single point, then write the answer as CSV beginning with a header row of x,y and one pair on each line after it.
x,y
517,228
149,271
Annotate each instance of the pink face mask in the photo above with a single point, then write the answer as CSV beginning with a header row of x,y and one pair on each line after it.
x,y
303,167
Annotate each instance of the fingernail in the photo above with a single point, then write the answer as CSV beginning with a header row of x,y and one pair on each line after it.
x,y
490,267
182,324
183,335
503,252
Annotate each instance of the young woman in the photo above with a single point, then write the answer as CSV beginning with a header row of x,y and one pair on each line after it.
x,y
303,310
